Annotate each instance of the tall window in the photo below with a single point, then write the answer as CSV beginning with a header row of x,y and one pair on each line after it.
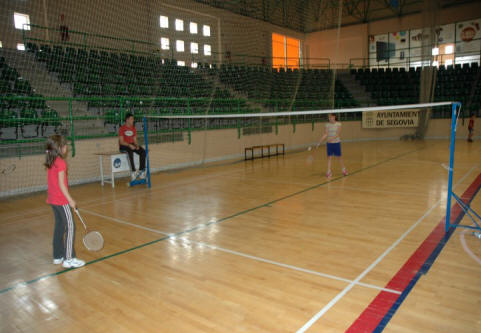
x,y
193,28
194,48
207,50
206,30
285,51
164,43
179,25
164,22
21,20
179,45
20,47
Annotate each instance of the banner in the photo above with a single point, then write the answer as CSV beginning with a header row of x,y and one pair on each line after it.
x,y
468,36
389,119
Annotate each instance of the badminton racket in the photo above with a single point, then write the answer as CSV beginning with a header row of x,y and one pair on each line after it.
x,y
310,149
93,240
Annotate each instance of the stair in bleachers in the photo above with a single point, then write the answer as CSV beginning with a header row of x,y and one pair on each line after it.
x,y
357,91
42,82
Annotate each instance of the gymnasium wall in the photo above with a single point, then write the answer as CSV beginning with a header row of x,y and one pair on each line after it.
x,y
353,40
207,146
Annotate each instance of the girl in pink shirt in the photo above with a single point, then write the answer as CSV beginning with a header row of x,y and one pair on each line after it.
x,y
61,201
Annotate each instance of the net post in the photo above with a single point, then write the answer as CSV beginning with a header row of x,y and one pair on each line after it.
x,y
451,164
147,159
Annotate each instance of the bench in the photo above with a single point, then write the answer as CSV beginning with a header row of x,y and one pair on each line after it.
x,y
271,147
119,162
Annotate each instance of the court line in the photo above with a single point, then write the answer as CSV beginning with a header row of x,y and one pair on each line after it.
x,y
44,210
466,247
300,269
204,225
380,311
215,247
377,261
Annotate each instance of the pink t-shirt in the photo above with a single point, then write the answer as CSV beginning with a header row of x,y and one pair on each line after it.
x,y
55,195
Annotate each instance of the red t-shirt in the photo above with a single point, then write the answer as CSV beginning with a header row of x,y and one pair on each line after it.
x,y
471,124
128,133
55,195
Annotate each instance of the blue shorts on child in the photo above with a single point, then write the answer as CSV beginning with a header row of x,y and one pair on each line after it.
x,y
334,149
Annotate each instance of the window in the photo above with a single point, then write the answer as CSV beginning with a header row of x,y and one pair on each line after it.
x,y
193,28
20,21
180,63
193,65
179,25
435,63
207,50
449,49
164,22
206,30
448,62
164,43
179,45
1,45
435,51
194,48
285,51
20,47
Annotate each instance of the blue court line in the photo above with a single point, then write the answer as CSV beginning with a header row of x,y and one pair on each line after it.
x,y
424,269
204,225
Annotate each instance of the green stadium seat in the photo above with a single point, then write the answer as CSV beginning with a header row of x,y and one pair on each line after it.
x,y
29,123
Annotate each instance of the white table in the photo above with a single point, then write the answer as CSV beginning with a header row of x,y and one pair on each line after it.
x,y
119,162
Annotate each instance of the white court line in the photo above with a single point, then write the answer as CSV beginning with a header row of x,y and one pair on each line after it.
x,y
466,247
95,202
162,187
377,261
174,236
125,222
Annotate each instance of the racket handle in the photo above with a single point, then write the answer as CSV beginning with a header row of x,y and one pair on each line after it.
x,y
80,217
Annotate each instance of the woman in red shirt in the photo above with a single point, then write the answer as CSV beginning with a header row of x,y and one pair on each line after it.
x,y
61,201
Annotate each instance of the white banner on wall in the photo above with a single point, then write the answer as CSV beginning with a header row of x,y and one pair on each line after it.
x,y
468,34
390,119
445,34
400,40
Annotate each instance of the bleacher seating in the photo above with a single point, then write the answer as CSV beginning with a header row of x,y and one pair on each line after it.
x,y
309,87
398,86
22,116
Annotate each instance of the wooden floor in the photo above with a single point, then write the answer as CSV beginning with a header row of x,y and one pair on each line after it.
x,y
259,246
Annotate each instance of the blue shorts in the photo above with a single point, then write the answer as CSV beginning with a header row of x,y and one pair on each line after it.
x,y
334,149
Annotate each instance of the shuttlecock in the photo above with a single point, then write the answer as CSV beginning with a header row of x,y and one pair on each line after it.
x,y
309,149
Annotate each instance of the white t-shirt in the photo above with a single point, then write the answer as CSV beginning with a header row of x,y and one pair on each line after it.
x,y
331,130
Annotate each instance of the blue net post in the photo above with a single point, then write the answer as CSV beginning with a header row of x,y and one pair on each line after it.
x,y
147,159
451,165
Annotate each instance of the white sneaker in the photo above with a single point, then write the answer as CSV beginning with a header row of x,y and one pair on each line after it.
x,y
73,263
134,175
142,174
58,261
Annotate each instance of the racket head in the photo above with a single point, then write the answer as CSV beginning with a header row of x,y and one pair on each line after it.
x,y
93,241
